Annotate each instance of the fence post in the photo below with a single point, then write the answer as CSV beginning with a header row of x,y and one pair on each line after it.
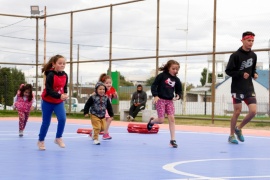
x,y
204,102
5,93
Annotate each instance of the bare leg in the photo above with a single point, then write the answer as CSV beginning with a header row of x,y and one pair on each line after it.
x,y
172,126
237,110
252,111
158,120
108,122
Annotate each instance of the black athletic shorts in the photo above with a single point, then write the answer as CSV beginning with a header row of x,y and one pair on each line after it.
x,y
249,98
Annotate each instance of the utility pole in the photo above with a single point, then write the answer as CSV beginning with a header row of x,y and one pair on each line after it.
x,y
185,78
269,80
45,31
78,56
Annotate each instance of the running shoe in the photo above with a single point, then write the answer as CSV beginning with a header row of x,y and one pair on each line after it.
x,y
128,117
59,142
21,133
239,134
131,118
232,140
106,137
41,145
96,142
149,124
173,144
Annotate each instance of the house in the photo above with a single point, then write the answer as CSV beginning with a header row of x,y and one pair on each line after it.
x,y
261,86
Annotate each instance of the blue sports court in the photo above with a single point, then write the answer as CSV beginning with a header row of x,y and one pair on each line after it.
x,y
130,156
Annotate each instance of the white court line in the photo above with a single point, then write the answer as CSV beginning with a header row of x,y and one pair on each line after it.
x,y
171,168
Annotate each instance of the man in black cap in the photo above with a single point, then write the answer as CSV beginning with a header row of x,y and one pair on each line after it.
x,y
137,103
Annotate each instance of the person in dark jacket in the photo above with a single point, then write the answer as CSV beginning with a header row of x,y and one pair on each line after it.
x,y
137,102
53,97
97,105
165,89
242,68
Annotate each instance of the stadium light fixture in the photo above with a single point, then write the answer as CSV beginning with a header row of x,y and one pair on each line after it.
x,y
35,10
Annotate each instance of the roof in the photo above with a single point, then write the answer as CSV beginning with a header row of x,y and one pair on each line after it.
x,y
263,78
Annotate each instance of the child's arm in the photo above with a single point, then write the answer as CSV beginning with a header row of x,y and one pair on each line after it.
x,y
115,95
178,89
109,108
15,99
87,106
34,102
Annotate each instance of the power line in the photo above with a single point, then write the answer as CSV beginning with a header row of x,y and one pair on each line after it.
x,y
13,23
97,46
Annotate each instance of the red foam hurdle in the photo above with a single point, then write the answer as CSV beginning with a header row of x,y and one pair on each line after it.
x,y
142,128
86,131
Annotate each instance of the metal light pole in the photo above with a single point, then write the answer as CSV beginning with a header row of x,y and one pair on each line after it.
x,y
35,11
185,77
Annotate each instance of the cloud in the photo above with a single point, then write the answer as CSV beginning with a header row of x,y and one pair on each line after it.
x,y
134,33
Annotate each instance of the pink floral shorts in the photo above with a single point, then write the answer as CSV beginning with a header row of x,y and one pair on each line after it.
x,y
164,106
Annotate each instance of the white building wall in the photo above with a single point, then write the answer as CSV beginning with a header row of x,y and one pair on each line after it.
x,y
223,102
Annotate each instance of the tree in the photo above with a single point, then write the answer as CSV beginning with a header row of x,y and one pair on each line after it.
x,y
189,86
149,81
10,80
203,78
123,82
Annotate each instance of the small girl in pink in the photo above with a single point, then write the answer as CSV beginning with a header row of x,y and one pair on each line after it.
x,y
112,94
24,102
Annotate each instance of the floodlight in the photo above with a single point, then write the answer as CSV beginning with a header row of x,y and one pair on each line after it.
x,y
35,10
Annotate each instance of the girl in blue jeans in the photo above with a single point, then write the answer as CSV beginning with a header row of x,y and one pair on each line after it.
x,y
53,97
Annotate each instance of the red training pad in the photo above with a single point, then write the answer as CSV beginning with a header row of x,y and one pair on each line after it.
x,y
142,128
86,131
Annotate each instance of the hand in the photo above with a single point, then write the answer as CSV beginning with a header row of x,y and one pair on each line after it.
x,y
86,115
32,108
256,76
115,95
156,98
176,97
246,75
64,96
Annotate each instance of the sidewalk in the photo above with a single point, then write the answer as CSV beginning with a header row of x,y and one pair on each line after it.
x,y
206,129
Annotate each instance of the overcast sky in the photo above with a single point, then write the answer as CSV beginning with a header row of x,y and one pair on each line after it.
x,y
134,33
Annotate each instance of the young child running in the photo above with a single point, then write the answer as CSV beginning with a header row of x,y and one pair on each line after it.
x,y
24,102
111,94
97,104
163,89
53,97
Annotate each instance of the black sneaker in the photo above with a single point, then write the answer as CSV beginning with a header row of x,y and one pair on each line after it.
x,y
149,124
173,143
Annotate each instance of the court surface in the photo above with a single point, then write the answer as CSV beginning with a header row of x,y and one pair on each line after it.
x,y
202,153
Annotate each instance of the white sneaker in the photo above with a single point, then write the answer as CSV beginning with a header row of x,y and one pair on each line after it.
x,y
21,133
131,118
128,117
96,142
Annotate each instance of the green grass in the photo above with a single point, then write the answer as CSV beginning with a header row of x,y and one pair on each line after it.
x,y
200,120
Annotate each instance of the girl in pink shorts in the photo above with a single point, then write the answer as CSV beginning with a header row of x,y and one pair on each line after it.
x,y
165,89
